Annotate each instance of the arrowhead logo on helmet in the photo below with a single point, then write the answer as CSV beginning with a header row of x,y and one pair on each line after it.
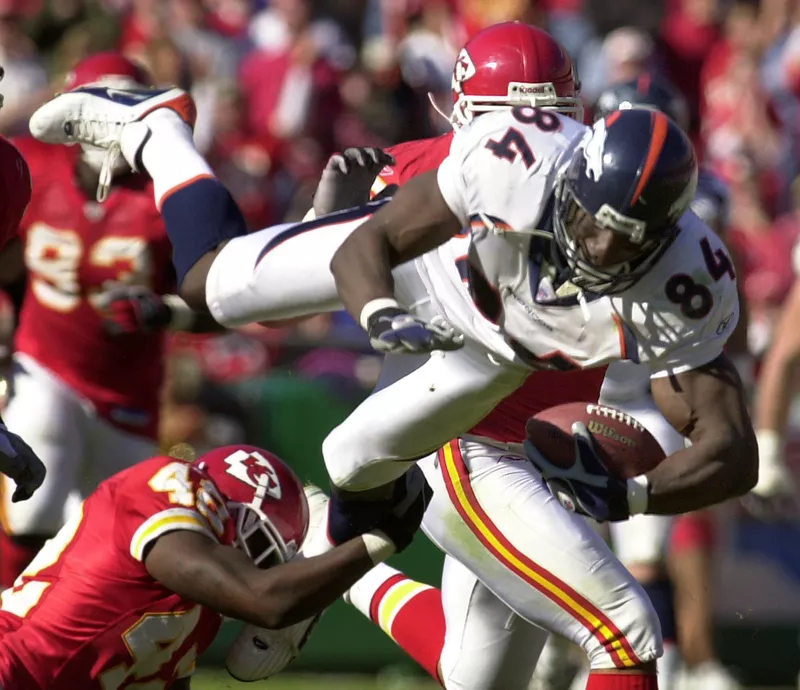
x,y
254,470
464,69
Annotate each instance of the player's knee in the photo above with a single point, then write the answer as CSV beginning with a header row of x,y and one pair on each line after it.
x,y
342,457
353,459
637,639
193,287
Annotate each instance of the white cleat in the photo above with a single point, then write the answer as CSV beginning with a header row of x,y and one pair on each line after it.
x,y
97,115
258,653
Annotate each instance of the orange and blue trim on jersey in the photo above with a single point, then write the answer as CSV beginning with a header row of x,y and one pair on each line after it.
x,y
331,219
459,488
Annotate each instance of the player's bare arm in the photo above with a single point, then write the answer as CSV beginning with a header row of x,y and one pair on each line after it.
x,y
416,220
225,580
708,406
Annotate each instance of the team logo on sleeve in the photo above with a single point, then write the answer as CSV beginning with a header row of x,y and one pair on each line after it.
x,y
254,470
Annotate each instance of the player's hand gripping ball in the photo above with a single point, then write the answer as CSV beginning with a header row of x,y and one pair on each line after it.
x,y
586,452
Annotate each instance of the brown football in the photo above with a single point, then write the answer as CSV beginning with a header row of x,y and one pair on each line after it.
x,y
626,448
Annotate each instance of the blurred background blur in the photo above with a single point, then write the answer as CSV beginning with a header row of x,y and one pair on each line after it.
x,y
281,84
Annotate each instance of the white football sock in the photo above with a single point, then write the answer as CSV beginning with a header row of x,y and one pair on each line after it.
x,y
168,155
361,593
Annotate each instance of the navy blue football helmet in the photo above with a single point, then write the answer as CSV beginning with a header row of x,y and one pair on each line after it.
x,y
634,173
646,91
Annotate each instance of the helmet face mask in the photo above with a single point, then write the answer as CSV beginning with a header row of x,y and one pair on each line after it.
x,y
569,216
263,499
256,536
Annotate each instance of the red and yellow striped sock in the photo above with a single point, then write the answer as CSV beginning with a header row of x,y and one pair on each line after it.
x,y
409,612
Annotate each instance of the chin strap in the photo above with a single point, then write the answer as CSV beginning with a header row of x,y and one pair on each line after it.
x,y
450,118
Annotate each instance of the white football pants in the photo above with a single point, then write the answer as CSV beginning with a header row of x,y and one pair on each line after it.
x,y
492,513
78,449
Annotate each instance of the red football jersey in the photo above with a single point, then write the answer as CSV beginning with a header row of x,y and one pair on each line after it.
x,y
86,613
542,389
73,247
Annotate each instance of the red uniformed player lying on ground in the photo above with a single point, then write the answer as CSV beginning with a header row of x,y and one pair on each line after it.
x,y
134,587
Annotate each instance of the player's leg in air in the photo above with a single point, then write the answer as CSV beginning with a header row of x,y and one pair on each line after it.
x,y
271,275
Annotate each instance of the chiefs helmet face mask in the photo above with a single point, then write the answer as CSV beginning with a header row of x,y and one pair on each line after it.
x,y
106,69
635,174
512,64
264,499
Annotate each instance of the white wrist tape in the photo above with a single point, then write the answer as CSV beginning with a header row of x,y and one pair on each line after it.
x,y
637,494
182,316
770,447
379,546
376,305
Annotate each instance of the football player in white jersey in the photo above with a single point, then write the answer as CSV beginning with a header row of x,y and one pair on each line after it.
x,y
577,258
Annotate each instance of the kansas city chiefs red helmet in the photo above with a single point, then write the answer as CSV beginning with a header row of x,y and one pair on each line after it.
x,y
264,499
512,64
108,68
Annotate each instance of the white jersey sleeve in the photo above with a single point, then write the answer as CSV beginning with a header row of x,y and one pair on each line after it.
x,y
687,306
503,165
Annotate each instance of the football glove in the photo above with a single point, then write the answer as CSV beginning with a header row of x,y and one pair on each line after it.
x,y
395,330
127,309
586,487
347,179
398,518
259,653
20,463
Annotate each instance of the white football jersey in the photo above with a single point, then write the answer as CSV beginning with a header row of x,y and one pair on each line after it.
x,y
502,171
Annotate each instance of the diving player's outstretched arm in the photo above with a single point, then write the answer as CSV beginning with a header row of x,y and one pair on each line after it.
x,y
225,580
708,405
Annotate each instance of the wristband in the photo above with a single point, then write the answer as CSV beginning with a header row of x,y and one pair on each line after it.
x,y
181,316
770,446
638,494
379,546
376,305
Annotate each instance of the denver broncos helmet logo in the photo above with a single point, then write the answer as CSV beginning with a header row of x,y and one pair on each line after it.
x,y
254,470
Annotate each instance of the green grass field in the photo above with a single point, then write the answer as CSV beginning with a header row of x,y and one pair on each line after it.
x,y
212,679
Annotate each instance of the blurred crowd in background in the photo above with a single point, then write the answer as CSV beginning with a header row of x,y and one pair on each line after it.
x,y
282,84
